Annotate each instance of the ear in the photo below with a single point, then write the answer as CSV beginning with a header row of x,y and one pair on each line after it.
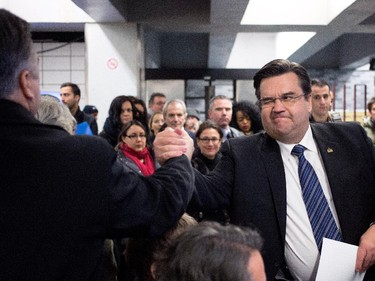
x,y
77,98
153,270
25,82
309,101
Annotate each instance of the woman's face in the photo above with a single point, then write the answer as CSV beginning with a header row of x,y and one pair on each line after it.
x,y
126,112
157,122
135,138
209,142
243,122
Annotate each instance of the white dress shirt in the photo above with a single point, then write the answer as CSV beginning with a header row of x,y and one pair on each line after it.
x,y
301,252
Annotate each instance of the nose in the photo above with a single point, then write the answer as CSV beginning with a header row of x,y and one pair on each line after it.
x,y
279,106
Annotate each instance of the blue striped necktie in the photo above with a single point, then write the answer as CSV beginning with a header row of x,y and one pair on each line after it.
x,y
320,215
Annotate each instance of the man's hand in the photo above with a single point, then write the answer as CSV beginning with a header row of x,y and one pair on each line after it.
x,y
172,143
366,250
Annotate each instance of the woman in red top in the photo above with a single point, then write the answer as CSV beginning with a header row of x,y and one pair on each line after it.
x,y
133,151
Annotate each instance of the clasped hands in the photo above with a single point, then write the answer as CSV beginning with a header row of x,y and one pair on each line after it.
x,y
172,143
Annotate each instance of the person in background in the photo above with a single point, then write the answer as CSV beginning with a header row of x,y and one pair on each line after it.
x,y
156,102
61,196
132,150
213,252
369,121
220,112
121,112
321,102
174,113
51,111
205,158
192,121
143,254
258,179
141,112
91,110
246,118
155,122
135,156
70,95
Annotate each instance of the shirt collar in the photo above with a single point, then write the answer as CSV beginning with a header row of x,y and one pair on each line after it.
x,y
307,141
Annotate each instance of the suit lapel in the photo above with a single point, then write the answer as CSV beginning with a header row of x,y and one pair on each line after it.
x,y
331,153
276,175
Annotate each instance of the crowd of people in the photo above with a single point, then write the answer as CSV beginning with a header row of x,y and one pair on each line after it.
x,y
159,194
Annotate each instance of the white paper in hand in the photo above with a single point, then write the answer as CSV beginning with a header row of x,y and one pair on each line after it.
x,y
337,262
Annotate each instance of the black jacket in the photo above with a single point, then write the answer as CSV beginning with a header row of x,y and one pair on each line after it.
x,y
62,195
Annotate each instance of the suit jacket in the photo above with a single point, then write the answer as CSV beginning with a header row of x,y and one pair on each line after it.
x,y
62,195
250,181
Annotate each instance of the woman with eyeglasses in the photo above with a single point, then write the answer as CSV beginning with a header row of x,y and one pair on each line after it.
x,y
132,150
205,158
134,155
121,112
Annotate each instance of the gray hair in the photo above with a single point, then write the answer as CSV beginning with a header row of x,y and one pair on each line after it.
x,y
53,112
15,51
165,108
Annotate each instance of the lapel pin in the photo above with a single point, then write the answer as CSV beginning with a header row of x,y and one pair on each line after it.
x,y
329,150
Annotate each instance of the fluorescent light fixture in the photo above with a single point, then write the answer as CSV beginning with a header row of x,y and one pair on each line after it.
x,y
253,50
51,11
364,67
293,12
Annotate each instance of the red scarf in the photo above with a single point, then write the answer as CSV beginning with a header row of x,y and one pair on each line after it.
x,y
147,167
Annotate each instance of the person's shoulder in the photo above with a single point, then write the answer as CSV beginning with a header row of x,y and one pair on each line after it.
x,y
235,132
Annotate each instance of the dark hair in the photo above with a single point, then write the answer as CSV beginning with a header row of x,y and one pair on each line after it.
x,y
140,253
210,251
75,88
153,96
89,109
141,116
251,111
320,83
370,103
15,50
115,109
208,124
126,128
278,67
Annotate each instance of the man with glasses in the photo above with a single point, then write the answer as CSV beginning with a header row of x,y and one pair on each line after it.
x,y
156,102
265,179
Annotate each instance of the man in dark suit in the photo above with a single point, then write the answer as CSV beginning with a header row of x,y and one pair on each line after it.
x,y
62,195
258,180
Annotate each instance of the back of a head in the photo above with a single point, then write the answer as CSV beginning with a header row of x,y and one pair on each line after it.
x,y
141,253
51,111
15,50
210,252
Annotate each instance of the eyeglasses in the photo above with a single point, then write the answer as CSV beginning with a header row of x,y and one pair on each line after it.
x,y
207,140
134,137
286,99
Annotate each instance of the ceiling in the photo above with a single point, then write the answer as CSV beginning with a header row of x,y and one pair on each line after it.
x,y
200,34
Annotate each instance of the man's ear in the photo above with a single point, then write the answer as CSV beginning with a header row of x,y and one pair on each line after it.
x,y
25,82
77,98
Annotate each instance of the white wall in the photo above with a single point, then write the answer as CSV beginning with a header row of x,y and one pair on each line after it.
x,y
173,89
112,64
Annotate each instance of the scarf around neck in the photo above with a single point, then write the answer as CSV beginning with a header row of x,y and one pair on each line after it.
x,y
147,167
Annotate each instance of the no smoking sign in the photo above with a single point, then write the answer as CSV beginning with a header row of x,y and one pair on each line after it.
x,y
112,63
